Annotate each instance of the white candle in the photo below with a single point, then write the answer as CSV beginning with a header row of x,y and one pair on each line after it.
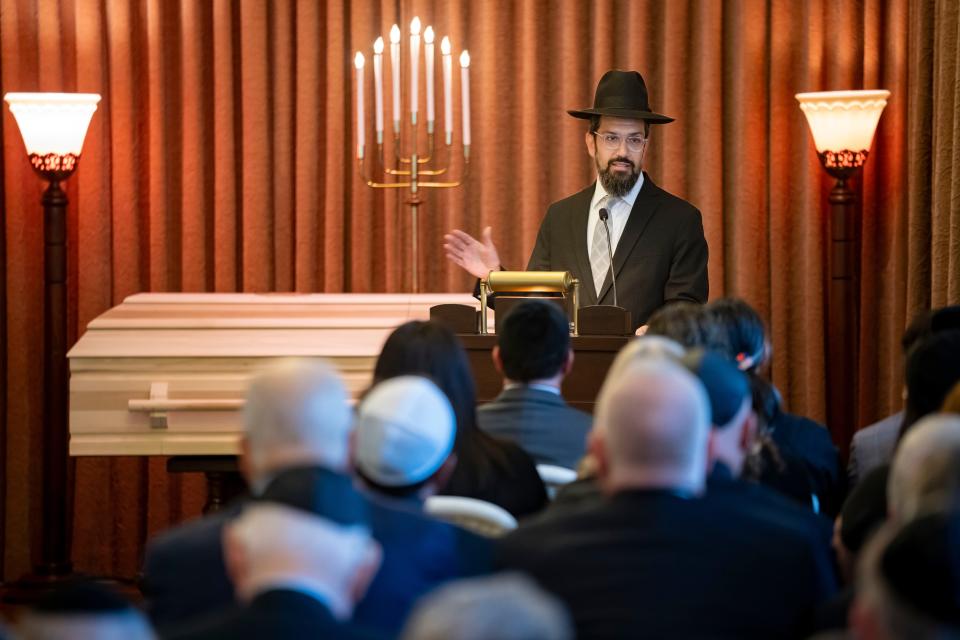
x,y
378,84
447,80
428,55
395,63
465,87
414,65
358,63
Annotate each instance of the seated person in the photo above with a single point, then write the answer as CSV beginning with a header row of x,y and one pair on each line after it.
x,y
533,355
658,558
487,468
296,576
908,584
83,610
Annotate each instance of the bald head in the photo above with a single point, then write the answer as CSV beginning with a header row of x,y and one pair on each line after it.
x,y
297,412
926,467
656,418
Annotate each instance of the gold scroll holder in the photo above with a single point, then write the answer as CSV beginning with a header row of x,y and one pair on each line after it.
x,y
504,282
409,177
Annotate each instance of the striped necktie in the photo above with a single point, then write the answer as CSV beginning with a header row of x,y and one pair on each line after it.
x,y
599,254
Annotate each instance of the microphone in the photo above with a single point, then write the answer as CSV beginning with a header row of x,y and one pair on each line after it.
x,y
604,214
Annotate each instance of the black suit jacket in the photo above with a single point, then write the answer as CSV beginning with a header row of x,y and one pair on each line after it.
x,y
279,614
661,256
544,426
652,564
185,577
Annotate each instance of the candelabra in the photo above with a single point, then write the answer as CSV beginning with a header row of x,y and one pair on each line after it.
x,y
53,126
407,170
842,124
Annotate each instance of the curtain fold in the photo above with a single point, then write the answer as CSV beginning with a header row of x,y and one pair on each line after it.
x,y
222,159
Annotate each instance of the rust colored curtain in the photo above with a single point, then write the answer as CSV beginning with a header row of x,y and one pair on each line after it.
x,y
221,159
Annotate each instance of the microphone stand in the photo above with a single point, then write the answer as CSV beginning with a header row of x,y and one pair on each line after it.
x,y
604,214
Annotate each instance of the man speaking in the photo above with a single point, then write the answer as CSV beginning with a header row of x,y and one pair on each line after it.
x,y
656,239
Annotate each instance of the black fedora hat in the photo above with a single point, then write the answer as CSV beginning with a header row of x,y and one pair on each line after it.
x,y
622,94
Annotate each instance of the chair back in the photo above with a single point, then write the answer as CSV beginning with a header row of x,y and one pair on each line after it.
x,y
481,517
555,477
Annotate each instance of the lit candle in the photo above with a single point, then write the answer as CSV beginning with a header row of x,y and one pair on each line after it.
x,y
414,66
378,85
395,63
358,63
465,87
428,55
447,79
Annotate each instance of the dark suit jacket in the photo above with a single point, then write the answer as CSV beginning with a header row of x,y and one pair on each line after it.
x,y
278,614
185,577
544,426
661,256
652,564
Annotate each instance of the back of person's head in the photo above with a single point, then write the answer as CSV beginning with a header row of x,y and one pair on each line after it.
x,y
926,467
933,367
688,324
919,329
405,431
84,610
430,349
503,606
297,412
742,327
655,418
646,346
908,582
533,341
275,547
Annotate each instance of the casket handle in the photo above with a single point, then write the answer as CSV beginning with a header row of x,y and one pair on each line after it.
x,y
159,404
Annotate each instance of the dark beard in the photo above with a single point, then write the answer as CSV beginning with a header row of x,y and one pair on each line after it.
x,y
614,183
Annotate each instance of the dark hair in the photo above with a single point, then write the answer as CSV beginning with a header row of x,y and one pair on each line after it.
x,y
933,367
534,341
920,328
688,324
742,329
430,349
595,125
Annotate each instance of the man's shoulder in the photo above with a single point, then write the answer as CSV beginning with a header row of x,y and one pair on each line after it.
x,y
572,203
755,501
882,433
183,540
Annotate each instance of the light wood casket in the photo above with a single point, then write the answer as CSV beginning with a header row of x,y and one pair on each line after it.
x,y
165,374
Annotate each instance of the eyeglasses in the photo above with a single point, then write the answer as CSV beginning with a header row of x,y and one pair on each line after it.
x,y
612,141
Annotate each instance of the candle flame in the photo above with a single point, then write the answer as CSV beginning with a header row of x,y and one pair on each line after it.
x,y
428,35
445,46
395,34
358,60
415,26
465,59
378,46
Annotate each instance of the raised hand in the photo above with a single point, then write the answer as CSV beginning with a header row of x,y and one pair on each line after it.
x,y
476,257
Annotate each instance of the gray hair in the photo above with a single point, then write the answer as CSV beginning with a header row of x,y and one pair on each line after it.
x,y
926,467
643,348
507,606
297,410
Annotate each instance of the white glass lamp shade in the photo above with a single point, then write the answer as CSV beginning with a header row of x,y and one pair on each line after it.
x,y
843,120
53,123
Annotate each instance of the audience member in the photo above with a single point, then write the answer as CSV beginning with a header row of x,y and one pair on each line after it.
x,y
657,558
688,324
533,355
908,585
804,464
297,422
873,445
84,610
487,468
933,368
926,467
298,426
296,575
500,607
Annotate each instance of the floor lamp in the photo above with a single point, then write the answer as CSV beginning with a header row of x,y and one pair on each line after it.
x,y
53,126
843,124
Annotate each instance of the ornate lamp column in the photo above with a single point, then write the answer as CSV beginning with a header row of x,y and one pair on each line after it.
x,y
843,124
53,126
